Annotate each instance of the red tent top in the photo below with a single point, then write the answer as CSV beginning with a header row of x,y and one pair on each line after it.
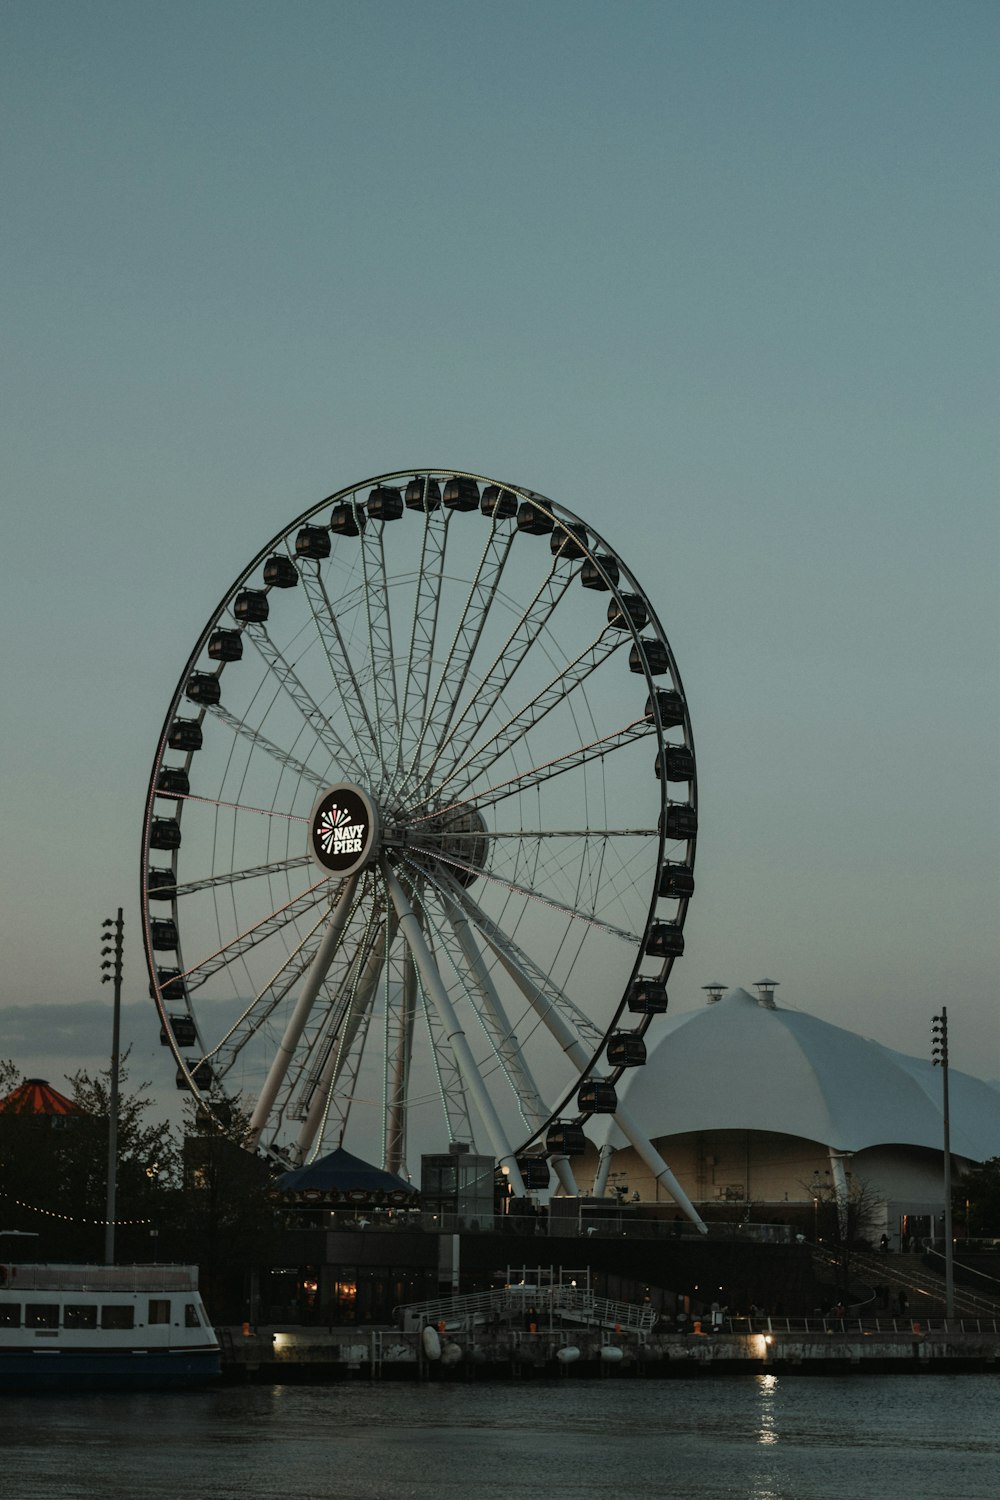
x,y
36,1097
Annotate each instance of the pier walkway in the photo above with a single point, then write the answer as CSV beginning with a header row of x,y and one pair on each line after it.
x,y
738,1346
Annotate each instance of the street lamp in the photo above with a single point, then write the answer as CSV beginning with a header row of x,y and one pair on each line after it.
x,y
939,1050
111,953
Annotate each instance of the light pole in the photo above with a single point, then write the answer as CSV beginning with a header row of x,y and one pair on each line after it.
x,y
939,1048
111,953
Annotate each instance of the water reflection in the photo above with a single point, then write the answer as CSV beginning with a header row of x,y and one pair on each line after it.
x,y
767,1386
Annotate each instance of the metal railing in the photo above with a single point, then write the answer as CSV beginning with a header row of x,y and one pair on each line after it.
x,y
906,1326
52,1278
545,1306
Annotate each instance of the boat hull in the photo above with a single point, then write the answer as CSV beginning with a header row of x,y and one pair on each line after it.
x,y
93,1369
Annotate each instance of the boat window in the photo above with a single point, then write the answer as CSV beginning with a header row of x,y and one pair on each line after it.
x,y
10,1314
191,1316
159,1310
41,1315
117,1315
79,1316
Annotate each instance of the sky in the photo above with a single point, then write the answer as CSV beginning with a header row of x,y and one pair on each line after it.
x,y
721,278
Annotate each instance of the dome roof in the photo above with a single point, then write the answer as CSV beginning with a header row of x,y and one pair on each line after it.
x,y
741,1065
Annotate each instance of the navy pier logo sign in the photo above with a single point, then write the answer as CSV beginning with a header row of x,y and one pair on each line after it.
x,y
343,830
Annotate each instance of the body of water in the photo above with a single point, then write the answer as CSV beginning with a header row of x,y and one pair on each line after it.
x,y
761,1437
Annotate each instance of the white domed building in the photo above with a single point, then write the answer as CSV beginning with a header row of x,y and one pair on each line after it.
x,y
753,1103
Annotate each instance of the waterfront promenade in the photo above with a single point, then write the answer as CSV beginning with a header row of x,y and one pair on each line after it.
x,y
733,1347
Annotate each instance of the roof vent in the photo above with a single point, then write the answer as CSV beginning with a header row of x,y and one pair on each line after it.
x,y
765,992
714,992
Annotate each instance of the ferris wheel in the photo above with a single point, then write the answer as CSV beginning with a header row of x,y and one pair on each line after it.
x,y
420,832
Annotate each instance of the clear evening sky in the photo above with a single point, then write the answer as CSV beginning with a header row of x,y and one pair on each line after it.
x,y
720,277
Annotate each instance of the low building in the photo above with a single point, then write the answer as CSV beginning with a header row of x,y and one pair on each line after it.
x,y
768,1112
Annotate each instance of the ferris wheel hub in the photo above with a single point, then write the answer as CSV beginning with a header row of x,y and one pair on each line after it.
x,y
456,840
344,830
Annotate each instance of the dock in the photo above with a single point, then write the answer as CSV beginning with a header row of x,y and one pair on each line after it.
x,y
732,1347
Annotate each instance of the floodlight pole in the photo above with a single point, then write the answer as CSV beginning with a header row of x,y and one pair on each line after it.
x,y
939,1038
112,955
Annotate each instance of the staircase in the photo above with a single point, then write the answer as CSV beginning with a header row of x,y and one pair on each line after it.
x,y
924,1286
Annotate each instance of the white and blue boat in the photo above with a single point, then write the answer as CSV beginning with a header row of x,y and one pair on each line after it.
x,y
89,1326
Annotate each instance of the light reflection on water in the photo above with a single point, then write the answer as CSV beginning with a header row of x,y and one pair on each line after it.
x,y
767,1386
763,1437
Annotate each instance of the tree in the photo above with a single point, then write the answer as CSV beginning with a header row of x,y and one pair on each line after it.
x,y
229,1222
11,1076
976,1200
53,1171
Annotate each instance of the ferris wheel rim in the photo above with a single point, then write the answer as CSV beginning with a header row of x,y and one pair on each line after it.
x,y
595,547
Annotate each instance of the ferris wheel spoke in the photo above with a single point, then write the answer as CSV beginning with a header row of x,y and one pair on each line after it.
x,y
338,1053
468,632
303,700
513,1056
530,894
514,786
351,698
293,1031
451,1090
520,724
546,997
252,937
498,1075
423,636
498,678
226,1051
385,695
440,999
230,877
494,1016
540,835
261,742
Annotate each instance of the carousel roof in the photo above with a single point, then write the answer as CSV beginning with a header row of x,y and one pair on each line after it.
x,y
341,1172
743,1065
36,1097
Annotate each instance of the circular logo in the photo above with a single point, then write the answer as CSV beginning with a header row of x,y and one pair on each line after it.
x,y
343,830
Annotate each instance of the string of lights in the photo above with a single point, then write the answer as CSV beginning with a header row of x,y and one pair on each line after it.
x,y
48,1213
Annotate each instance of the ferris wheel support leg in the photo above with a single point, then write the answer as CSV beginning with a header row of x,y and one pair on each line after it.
x,y
526,1084
395,1150
654,1161
319,1103
410,928
508,1050
580,1058
293,1031
604,1156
